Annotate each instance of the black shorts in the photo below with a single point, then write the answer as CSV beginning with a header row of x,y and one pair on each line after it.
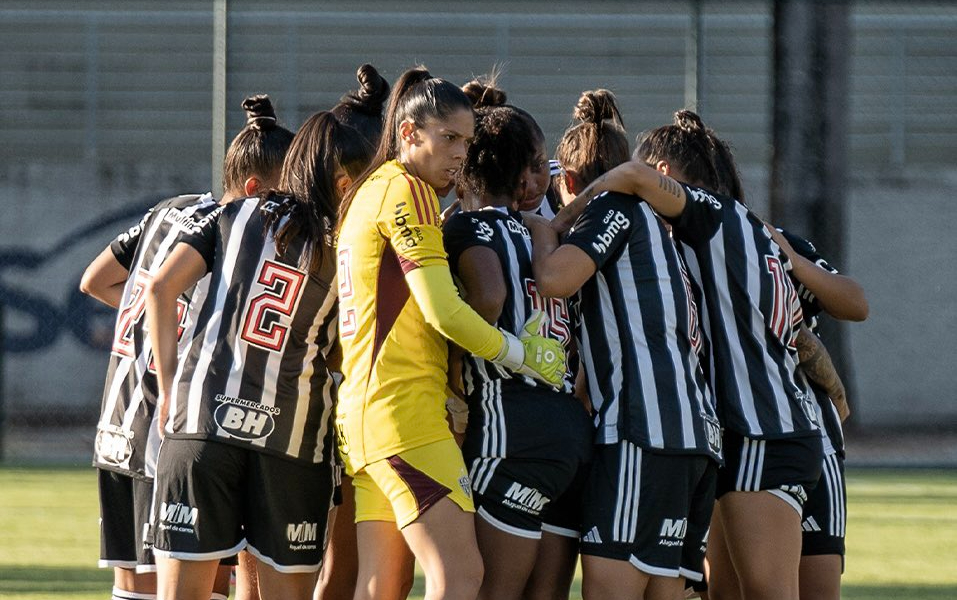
x,y
124,518
652,510
788,468
214,499
563,516
523,448
825,512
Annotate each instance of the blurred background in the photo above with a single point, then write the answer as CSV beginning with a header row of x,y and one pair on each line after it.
x,y
842,115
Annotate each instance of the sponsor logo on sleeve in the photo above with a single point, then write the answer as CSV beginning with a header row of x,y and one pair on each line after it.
x,y
705,197
411,235
244,419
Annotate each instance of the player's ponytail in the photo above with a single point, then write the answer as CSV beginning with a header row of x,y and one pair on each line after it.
x,y
322,148
483,91
259,148
417,97
598,142
694,150
362,108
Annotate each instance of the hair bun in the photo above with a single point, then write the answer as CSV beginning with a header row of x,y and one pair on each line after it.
x,y
259,112
689,122
595,106
483,92
372,93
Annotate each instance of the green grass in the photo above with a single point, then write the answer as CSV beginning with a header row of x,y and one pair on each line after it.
x,y
902,535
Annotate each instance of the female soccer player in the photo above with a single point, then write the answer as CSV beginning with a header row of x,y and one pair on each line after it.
x,y
772,442
398,306
650,492
525,442
247,458
126,442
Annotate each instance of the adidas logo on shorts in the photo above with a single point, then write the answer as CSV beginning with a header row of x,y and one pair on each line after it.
x,y
810,524
592,536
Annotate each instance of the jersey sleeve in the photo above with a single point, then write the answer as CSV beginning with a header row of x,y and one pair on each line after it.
x,y
461,232
603,227
124,245
409,218
701,217
202,235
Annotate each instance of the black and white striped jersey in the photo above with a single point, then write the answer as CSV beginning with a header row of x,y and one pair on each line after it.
x,y
502,231
827,413
254,373
640,336
126,440
751,317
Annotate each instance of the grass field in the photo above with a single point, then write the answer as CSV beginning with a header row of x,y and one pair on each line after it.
x,y
902,535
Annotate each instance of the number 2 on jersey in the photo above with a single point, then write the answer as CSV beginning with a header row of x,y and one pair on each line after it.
x,y
266,322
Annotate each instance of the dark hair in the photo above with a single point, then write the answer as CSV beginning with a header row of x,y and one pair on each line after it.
x,y
503,146
417,97
598,142
484,91
362,108
322,146
696,151
259,148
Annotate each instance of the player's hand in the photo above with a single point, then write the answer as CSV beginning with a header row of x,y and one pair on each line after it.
x,y
532,354
162,413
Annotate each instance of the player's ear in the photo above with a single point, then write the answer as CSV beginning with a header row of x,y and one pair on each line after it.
x,y
572,182
343,182
252,186
663,167
408,132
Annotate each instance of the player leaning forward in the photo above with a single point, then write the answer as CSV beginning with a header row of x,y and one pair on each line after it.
x,y
247,458
398,305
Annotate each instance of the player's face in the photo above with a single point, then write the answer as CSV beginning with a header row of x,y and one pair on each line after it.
x,y
434,151
535,179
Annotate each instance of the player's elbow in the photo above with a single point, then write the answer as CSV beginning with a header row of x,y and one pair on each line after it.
x,y
551,284
88,283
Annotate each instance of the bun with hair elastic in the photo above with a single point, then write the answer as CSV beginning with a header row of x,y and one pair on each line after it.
x,y
595,106
483,92
689,122
259,112
372,93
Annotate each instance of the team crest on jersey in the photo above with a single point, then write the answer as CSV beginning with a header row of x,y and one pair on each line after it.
x,y
114,446
244,419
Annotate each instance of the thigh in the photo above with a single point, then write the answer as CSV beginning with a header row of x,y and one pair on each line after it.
x,y
386,565
554,568
198,500
288,506
508,561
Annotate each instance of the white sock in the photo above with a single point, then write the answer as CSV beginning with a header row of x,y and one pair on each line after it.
x,y
216,596
119,594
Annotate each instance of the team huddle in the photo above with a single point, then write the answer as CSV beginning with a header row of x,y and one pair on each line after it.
x,y
320,379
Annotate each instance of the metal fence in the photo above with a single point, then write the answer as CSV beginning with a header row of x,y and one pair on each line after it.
x,y
108,108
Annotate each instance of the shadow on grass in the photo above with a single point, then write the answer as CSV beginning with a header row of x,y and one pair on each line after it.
x,y
898,592
49,580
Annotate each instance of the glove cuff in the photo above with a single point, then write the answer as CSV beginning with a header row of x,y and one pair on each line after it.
x,y
512,354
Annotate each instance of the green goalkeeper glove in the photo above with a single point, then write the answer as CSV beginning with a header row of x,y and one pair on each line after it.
x,y
533,355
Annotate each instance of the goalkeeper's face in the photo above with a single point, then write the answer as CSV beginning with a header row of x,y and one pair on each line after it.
x,y
434,151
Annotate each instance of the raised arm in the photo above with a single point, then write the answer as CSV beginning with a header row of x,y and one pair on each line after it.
x,y
840,296
560,270
634,177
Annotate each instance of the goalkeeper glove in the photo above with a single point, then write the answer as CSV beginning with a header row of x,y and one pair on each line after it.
x,y
458,410
533,355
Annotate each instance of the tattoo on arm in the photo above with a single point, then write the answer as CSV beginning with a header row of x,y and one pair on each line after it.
x,y
817,366
670,186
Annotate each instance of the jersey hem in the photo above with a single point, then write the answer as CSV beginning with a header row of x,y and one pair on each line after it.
x,y
270,451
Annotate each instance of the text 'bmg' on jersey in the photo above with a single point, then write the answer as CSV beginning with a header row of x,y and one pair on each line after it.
x,y
255,373
751,317
640,337
126,440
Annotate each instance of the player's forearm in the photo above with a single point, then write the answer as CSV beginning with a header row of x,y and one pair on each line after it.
x,y
162,325
443,309
544,244
840,296
105,279
818,367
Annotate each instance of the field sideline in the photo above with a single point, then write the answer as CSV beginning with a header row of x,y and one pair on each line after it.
x,y
902,527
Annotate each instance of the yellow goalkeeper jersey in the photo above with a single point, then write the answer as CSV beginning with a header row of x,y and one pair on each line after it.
x,y
393,396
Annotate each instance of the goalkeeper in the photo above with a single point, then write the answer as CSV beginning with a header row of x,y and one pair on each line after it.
x,y
397,307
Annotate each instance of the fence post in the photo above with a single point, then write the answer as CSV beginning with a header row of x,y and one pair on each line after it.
x,y
3,396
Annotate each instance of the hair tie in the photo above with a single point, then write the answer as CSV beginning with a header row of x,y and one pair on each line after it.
x,y
250,120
